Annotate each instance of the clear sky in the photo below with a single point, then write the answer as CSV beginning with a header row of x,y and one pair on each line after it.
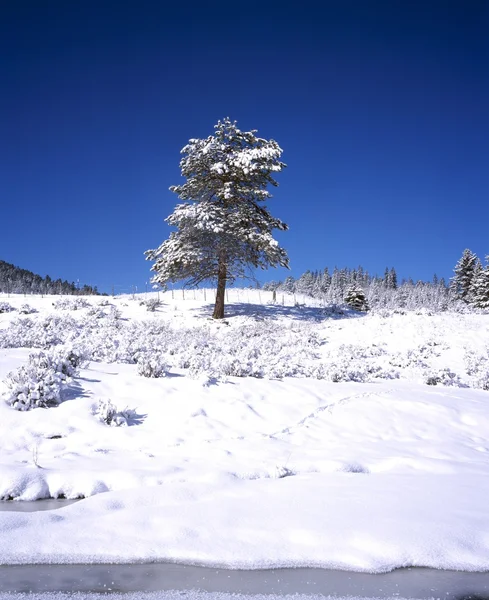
x,y
381,108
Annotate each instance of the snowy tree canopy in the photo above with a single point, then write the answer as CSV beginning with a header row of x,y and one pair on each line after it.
x,y
479,290
223,227
464,270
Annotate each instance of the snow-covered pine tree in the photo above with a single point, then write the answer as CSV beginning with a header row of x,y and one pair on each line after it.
x,y
305,284
474,283
288,286
324,283
464,273
390,278
479,290
223,227
356,299
393,279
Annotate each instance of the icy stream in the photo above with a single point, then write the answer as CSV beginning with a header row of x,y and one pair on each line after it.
x,y
38,505
164,577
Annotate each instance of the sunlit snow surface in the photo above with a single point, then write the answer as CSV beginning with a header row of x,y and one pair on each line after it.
x,y
261,473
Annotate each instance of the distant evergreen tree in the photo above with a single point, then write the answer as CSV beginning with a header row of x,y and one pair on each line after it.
x,y
393,279
479,291
478,269
305,283
464,273
390,279
288,286
325,280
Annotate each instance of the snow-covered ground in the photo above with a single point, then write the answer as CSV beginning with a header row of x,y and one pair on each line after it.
x,y
289,435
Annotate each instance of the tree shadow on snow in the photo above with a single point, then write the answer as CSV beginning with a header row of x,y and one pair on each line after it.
x,y
299,312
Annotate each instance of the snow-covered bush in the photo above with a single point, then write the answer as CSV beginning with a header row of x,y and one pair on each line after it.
x,y
108,413
71,303
345,371
26,309
5,307
418,357
96,312
39,383
152,365
476,363
31,387
257,349
254,349
483,381
114,313
67,360
351,362
477,366
152,304
28,332
334,311
444,377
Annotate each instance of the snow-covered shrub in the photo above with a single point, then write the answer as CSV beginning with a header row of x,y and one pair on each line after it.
x,y
66,360
104,302
63,304
334,311
350,362
39,383
5,307
71,303
114,313
109,414
31,332
483,381
32,387
96,312
476,363
152,365
416,358
444,377
26,309
152,304
255,349
343,372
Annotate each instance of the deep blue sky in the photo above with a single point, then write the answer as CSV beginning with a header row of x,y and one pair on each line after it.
x,y
382,109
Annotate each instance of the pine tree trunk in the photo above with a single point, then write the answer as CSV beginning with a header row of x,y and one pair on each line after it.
x,y
221,289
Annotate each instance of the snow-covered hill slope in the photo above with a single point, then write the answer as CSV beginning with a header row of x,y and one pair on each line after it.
x,y
288,435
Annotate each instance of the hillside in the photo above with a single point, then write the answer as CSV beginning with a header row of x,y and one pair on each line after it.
x,y
287,435
14,280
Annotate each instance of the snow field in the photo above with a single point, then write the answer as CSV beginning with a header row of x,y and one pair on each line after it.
x,y
328,449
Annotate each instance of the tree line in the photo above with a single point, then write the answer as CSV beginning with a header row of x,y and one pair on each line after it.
x,y
469,286
14,280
